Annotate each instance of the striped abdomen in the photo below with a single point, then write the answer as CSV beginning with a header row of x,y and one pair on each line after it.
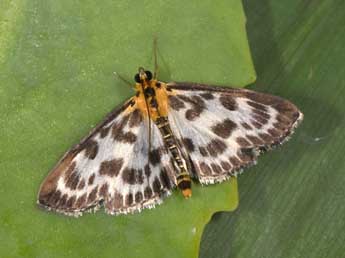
x,y
182,177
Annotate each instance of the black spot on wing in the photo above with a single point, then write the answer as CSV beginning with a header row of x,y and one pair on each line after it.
x,y
129,199
118,201
243,142
103,191
155,156
156,185
70,202
91,179
255,140
164,177
128,176
91,148
135,118
205,169
224,128
246,126
226,165
203,151
216,147
197,106
81,201
81,184
207,95
92,195
111,168
257,106
132,176
188,143
104,131
216,169
73,180
118,133
176,103
147,170
246,155
228,102
138,197
117,128
127,137
148,192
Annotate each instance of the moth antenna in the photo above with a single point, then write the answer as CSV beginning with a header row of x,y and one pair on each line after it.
x,y
123,79
155,72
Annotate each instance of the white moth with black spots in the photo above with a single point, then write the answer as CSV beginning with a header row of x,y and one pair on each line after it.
x,y
162,138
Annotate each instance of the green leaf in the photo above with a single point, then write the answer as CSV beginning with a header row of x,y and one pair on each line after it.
x,y
57,60
292,202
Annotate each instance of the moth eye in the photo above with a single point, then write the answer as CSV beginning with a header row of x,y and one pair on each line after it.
x,y
148,75
137,78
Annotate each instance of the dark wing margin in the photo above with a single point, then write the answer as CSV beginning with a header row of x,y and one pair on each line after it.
x,y
49,197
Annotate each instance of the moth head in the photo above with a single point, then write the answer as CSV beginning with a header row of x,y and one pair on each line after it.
x,y
142,75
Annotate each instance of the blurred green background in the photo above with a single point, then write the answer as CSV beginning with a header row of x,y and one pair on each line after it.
x,y
56,83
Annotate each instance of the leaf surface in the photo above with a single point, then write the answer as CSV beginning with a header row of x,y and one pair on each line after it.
x,y
57,60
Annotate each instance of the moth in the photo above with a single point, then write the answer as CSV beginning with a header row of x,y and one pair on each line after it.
x,y
165,137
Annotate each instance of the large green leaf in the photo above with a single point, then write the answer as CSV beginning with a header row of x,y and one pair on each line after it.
x,y
56,63
292,202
